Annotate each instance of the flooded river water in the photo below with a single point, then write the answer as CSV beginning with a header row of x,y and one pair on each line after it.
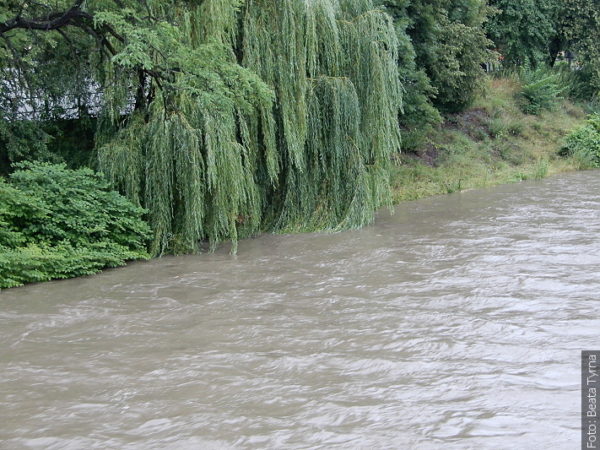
x,y
455,323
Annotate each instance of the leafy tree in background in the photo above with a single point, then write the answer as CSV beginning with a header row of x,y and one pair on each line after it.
x,y
46,53
532,33
526,32
581,29
451,46
418,113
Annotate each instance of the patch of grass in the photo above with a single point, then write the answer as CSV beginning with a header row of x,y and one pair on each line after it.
x,y
497,127
515,127
492,143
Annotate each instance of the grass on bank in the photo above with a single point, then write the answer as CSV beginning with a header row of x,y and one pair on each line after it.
x,y
492,143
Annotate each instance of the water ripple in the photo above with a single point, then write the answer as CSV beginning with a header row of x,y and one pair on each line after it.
x,y
455,323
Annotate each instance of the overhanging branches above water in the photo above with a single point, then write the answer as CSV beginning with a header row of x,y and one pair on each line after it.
x,y
295,134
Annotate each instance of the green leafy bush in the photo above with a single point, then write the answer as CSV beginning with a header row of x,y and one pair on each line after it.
x,y
61,223
542,89
583,144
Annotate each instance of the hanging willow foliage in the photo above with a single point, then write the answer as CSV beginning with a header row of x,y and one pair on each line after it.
x,y
281,115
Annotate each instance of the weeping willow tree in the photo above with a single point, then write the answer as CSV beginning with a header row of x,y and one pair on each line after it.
x,y
201,152
284,117
333,67
227,117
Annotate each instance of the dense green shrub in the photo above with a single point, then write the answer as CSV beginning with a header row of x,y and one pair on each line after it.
x,y
583,144
60,223
542,89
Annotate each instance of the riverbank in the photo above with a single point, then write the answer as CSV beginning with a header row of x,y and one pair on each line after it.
x,y
491,143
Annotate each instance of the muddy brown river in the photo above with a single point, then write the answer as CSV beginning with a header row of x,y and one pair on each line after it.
x,y
456,323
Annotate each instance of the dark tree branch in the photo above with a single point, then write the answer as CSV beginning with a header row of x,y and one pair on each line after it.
x,y
53,21
66,37
76,17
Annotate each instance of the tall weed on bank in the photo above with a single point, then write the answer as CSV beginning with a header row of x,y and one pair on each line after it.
x,y
542,90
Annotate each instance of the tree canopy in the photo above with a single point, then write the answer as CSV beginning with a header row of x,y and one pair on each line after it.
x,y
531,33
222,117
526,32
581,30
227,117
